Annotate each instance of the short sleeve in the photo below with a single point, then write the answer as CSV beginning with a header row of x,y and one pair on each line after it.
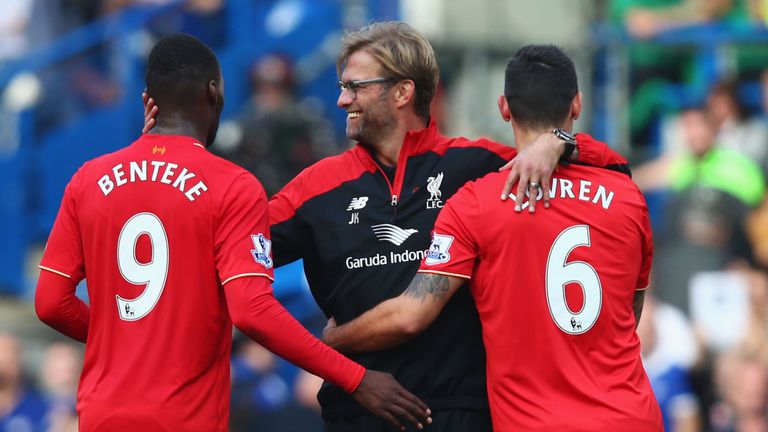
x,y
64,250
643,279
242,242
453,250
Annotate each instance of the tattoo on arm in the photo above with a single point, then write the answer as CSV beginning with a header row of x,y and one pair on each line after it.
x,y
425,284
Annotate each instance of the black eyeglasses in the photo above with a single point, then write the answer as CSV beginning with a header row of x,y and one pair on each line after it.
x,y
353,86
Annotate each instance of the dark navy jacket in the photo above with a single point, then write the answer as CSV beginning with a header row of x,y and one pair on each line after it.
x,y
362,238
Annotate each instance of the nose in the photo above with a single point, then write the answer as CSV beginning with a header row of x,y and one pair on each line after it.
x,y
345,98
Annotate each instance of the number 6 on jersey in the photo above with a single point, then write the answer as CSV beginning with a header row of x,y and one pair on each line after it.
x,y
560,273
153,274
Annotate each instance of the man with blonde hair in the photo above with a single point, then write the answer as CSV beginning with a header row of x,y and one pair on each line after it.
x,y
361,220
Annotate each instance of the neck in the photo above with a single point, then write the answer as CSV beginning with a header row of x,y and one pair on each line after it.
x,y
387,148
180,124
525,136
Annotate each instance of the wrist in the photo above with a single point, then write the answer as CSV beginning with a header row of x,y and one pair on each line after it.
x,y
569,142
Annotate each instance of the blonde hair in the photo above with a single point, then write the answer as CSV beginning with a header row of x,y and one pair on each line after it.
x,y
402,52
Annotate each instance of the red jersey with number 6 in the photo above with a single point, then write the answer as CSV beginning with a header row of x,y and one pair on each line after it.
x,y
555,290
159,226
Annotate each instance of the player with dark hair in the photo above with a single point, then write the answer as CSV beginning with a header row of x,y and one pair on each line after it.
x,y
174,243
559,294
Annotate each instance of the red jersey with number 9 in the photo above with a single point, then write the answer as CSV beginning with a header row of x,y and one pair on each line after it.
x,y
158,227
555,290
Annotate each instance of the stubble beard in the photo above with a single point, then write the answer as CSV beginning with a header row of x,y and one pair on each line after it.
x,y
374,124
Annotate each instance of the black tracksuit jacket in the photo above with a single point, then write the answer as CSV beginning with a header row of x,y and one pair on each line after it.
x,y
362,237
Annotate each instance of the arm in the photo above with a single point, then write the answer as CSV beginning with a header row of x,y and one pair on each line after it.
x,y
637,305
396,320
256,312
58,307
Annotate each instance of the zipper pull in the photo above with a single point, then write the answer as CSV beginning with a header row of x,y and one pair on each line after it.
x,y
394,200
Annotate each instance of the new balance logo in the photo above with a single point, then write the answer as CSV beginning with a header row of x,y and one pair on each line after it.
x,y
357,203
392,233
156,150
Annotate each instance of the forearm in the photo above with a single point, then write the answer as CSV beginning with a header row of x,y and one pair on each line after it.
x,y
379,328
396,320
597,153
257,313
57,306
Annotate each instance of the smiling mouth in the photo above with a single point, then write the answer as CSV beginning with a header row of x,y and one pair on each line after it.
x,y
353,115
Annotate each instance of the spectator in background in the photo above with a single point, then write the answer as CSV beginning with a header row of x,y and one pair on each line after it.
x,y
21,407
735,130
652,67
262,399
742,381
278,135
59,375
668,350
14,21
644,19
713,191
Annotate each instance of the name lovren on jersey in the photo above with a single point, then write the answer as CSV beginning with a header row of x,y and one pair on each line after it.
x,y
139,171
584,191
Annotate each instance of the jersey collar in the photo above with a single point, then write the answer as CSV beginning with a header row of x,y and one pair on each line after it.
x,y
172,139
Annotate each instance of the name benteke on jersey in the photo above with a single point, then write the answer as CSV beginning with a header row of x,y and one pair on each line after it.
x,y
156,171
583,190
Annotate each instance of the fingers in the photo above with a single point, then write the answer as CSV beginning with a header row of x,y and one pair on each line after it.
x,y
545,190
533,193
148,126
144,98
507,165
150,112
416,401
404,410
522,186
511,179
391,419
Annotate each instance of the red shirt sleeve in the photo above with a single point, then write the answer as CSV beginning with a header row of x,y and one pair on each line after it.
x,y
242,242
57,305
63,266
453,250
256,312
597,153
643,279
64,251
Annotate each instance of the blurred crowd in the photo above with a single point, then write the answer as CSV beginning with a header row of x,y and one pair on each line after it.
x,y
704,329
90,81
702,161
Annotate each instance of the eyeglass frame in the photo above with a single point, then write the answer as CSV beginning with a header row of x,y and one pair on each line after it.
x,y
352,86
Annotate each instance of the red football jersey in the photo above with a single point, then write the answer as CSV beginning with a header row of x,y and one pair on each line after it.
x,y
554,291
159,226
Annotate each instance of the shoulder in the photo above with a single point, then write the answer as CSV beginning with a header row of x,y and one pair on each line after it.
x,y
480,190
482,145
322,177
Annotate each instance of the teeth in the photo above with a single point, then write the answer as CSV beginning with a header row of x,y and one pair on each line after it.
x,y
353,115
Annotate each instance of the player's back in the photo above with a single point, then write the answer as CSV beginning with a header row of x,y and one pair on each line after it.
x,y
555,291
160,334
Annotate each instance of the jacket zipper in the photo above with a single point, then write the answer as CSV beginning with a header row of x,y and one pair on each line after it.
x,y
395,189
